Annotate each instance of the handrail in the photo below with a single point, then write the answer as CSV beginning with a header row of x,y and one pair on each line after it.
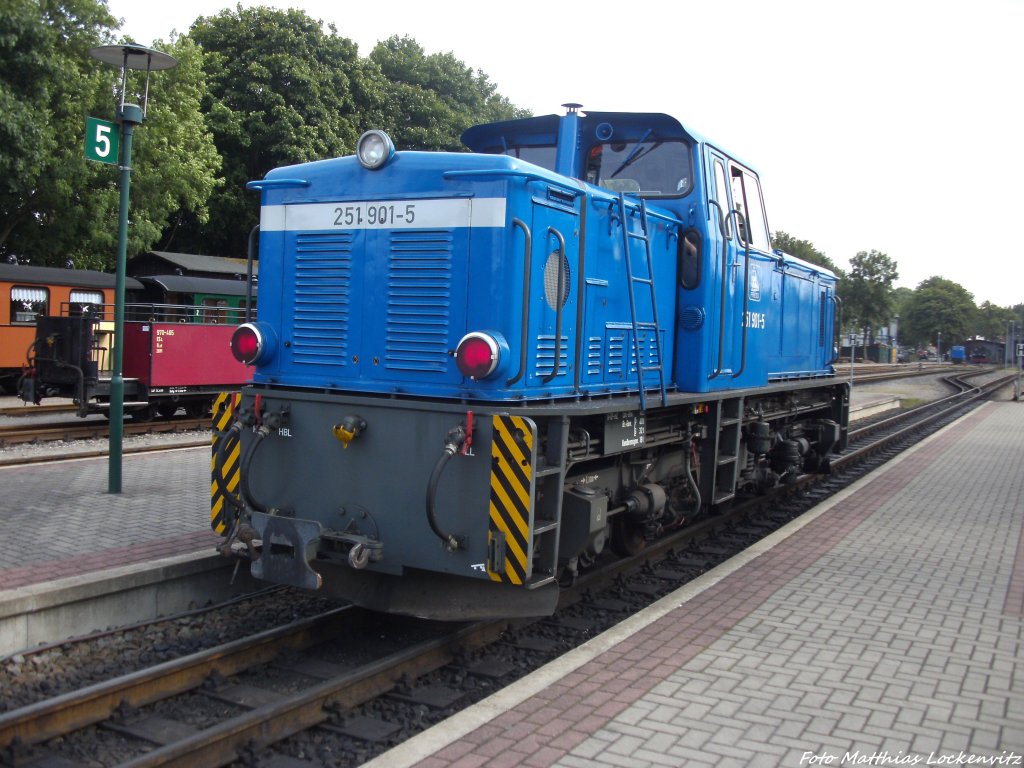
x,y
721,313
248,272
744,319
837,330
276,183
558,305
524,337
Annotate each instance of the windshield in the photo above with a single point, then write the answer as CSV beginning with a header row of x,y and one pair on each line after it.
x,y
652,167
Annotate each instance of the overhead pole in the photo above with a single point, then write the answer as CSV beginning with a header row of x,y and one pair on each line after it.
x,y
127,56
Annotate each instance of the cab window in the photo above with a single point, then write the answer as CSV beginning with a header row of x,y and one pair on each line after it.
x,y
544,156
746,196
651,168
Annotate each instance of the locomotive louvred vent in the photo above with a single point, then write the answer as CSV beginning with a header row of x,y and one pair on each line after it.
x,y
545,355
323,274
620,349
419,300
595,348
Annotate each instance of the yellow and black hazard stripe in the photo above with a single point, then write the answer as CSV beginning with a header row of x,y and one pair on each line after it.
x,y
511,499
222,513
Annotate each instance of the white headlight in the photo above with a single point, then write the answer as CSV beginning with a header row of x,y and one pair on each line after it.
x,y
373,149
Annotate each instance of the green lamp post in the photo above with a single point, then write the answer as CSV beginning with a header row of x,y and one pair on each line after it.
x,y
127,56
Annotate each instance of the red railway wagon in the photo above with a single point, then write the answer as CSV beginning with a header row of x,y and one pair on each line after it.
x,y
180,362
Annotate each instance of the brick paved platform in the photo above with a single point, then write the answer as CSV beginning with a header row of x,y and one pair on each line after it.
x,y
884,628
59,521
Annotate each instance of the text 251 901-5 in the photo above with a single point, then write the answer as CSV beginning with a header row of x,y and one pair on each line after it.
x,y
359,214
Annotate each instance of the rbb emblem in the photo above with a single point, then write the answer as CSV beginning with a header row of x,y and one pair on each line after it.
x,y
102,141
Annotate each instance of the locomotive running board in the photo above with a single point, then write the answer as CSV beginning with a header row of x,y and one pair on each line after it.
x,y
288,546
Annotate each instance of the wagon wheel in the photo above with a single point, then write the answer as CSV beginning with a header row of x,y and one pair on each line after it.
x,y
196,409
167,410
143,414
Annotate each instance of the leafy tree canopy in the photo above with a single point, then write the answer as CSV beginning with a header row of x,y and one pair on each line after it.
x,y
54,204
991,321
281,91
805,250
48,83
433,98
867,291
939,306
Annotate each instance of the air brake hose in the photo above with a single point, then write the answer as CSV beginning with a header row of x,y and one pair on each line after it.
x,y
231,437
243,486
453,441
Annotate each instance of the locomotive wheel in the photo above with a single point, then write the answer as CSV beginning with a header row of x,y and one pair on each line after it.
x,y
627,537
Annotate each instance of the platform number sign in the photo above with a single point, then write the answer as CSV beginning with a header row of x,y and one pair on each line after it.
x,y
101,140
1020,351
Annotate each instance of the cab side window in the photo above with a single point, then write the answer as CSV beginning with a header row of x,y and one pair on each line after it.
x,y
722,197
746,195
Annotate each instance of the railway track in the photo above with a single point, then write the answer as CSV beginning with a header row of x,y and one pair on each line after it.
x,y
332,700
67,431
18,411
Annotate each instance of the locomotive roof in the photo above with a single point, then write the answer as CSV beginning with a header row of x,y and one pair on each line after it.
x,y
79,278
543,130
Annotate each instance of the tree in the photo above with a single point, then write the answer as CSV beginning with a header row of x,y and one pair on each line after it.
x,y
991,321
176,162
867,291
281,92
54,204
48,82
939,306
433,98
805,250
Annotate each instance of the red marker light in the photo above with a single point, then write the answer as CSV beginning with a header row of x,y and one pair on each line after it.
x,y
246,344
477,355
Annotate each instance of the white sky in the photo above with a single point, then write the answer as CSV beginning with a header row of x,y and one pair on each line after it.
x,y
892,125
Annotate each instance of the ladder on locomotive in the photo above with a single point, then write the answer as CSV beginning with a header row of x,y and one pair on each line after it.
x,y
642,325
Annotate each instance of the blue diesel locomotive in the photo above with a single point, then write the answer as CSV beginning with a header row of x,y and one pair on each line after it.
x,y
475,372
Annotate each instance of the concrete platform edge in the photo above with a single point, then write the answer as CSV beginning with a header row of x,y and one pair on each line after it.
x,y
74,606
451,730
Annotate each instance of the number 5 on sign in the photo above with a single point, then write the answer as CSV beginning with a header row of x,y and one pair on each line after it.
x,y
101,140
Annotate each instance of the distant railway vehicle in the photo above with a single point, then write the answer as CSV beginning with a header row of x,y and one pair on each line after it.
x,y
27,293
176,347
958,354
474,373
984,352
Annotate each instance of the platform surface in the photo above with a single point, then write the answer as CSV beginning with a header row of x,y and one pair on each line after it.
x,y
883,628
59,521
